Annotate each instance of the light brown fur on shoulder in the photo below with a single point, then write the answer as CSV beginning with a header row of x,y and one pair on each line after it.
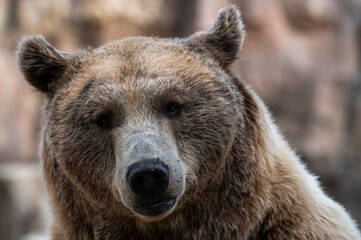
x,y
148,138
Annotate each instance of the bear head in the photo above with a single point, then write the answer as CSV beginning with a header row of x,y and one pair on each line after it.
x,y
141,125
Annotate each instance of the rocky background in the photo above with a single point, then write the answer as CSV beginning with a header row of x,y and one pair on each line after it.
x,y
302,56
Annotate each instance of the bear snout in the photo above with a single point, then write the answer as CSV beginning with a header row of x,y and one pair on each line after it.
x,y
148,177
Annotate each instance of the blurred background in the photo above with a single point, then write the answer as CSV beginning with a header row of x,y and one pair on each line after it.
x,y
302,57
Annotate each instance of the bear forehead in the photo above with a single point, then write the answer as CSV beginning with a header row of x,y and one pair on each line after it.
x,y
145,58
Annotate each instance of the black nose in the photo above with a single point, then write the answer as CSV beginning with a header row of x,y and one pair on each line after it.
x,y
148,177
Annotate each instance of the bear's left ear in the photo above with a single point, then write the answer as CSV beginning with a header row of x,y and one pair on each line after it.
x,y
42,65
224,39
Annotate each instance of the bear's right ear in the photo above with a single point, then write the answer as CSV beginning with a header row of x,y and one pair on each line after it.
x,y
41,64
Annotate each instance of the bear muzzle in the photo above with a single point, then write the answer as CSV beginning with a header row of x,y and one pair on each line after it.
x,y
150,176
149,179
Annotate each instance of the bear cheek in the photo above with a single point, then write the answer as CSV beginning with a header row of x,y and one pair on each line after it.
x,y
77,159
205,142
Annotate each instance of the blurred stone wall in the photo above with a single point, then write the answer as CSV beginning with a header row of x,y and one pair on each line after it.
x,y
302,57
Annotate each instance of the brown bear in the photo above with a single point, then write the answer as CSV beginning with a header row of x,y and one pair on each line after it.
x,y
149,138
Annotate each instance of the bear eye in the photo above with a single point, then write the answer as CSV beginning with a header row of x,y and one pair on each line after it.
x,y
172,109
104,121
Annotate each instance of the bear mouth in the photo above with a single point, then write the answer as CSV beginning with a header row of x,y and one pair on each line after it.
x,y
155,209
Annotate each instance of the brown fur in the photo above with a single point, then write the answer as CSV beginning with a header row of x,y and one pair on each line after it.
x,y
241,180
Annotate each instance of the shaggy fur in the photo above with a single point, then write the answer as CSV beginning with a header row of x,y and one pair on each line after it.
x,y
237,176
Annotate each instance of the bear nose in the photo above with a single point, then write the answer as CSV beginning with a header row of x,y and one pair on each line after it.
x,y
147,177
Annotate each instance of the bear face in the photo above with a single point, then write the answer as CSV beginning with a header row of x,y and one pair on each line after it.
x,y
139,124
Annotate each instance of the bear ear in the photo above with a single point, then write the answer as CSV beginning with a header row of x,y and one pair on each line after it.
x,y
41,64
224,39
